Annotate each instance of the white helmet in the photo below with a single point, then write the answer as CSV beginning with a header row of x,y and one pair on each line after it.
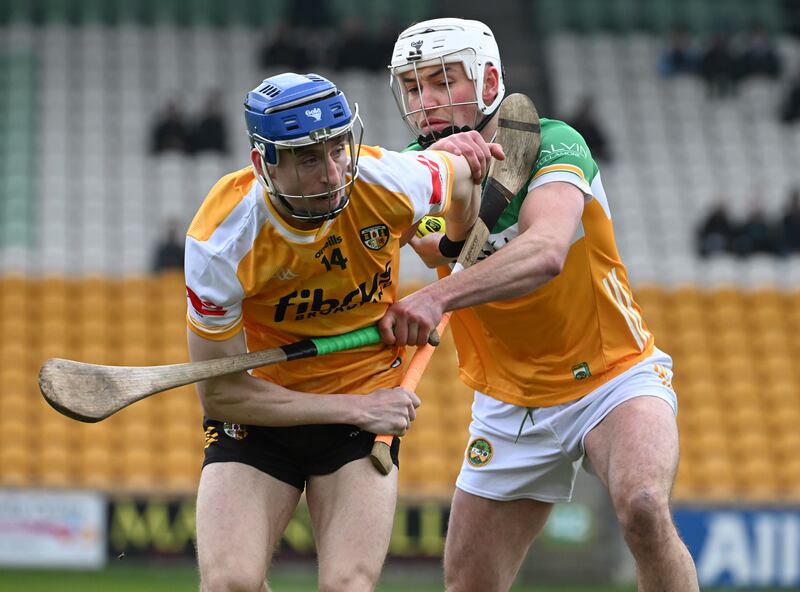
x,y
443,41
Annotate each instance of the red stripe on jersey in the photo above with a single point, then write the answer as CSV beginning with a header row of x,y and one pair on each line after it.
x,y
204,307
436,194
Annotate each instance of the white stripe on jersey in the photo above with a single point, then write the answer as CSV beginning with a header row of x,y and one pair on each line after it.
x,y
636,316
566,177
402,172
599,193
211,265
626,314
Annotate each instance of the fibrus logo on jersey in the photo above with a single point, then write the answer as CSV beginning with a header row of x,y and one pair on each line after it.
x,y
375,237
308,304
315,114
581,371
204,307
235,430
479,452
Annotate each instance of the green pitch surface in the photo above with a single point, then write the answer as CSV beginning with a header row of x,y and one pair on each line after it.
x,y
184,579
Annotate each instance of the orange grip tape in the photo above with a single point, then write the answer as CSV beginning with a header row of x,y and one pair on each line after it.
x,y
416,368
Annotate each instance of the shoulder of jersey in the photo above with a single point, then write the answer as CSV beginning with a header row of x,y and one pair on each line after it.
x,y
221,200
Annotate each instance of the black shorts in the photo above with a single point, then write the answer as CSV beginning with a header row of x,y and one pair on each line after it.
x,y
290,454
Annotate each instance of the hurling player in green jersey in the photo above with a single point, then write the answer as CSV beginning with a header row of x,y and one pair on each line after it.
x,y
564,369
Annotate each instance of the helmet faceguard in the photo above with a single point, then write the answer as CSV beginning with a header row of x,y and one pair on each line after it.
x,y
440,42
291,112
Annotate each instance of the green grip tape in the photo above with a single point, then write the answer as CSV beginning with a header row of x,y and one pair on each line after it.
x,y
351,340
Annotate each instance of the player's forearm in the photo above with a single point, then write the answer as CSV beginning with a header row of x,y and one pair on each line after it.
x,y
519,268
465,201
242,398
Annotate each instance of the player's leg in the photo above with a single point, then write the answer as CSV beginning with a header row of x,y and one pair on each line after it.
x,y
352,512
241,514
634,451
514,469
487,541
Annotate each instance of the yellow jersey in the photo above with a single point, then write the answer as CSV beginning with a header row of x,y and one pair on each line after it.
x,y
247,268
577,331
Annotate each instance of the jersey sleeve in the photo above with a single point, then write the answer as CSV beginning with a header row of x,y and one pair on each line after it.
x,y
563,156
214,293
425,178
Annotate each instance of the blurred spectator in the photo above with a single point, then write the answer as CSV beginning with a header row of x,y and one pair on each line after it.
x,y
383,45
790,108
791,223
170,131
678,57
585,121
756,234
169,252
210,133
718,68
285,50
354,52
716,233
310,14
758,56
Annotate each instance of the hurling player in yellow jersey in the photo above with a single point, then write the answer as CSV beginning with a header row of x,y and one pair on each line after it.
x,y
305,243
564,369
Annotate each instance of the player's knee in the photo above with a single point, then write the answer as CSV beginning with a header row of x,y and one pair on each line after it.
x,y
234,579
643,516
358,578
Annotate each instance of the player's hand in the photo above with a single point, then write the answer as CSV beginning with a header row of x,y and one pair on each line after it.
x,y
427,248
389,411
474,149
410,320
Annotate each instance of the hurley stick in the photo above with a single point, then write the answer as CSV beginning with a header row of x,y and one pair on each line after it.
x,y
518,132
92,392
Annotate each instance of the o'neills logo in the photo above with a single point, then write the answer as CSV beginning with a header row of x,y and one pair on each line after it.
x,y
332,240
306,304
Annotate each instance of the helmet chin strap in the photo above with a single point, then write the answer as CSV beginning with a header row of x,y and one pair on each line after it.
x,y
433,137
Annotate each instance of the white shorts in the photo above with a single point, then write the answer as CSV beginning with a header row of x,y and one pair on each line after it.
x,y
520,453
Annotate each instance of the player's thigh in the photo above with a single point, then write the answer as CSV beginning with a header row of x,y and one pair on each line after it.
x,y
635,447
352,512
487,540
241,514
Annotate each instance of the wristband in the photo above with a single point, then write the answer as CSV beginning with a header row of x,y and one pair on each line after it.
x,y
450,249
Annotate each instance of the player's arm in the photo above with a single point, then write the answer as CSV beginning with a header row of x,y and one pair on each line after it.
x,y
548,220
241,398
465,200
470,156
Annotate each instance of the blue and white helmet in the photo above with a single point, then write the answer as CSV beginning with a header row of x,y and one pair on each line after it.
x,y
291,111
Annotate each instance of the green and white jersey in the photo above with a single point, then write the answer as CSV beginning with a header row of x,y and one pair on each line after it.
x,y
580,329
